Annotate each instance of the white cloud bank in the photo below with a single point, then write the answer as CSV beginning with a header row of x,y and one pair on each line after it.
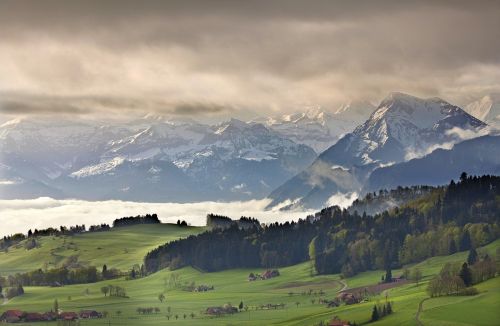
x,y
22,215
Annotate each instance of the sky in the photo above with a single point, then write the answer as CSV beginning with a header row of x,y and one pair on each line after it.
x,y
212,59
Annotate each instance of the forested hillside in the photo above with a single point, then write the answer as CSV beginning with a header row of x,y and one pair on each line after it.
x,y
459,216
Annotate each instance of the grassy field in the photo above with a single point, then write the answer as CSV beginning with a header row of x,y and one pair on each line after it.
x,y
232,287
119,248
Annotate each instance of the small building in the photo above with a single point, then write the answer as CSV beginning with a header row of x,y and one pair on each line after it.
x,y
337,322
348,298
33,317
69,315
12,316
270,274
50,316
90,314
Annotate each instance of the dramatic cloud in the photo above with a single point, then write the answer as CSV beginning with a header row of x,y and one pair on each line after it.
x,y
16,215
220,58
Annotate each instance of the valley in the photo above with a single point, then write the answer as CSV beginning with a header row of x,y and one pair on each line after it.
x,y
290,288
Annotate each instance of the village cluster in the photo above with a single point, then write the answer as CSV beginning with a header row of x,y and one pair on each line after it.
x,y
17,316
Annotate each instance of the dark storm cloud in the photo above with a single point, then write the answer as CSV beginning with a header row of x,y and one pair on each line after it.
x,y
267,55
20,104
199,108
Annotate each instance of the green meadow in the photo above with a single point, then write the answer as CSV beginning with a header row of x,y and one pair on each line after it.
x,y
119,248
126,246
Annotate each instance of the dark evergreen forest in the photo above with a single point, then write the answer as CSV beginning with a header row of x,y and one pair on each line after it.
x,y
442,221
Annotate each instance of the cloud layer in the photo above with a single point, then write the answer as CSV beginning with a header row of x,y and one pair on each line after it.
x,y
20,215
219,58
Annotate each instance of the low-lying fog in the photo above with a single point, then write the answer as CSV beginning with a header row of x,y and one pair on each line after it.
x,y
22,215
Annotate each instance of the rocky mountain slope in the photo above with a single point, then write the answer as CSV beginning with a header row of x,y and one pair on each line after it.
x,y
401,128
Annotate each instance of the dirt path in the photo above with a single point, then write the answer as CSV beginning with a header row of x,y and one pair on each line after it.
x,y
417,316
344,285
5,300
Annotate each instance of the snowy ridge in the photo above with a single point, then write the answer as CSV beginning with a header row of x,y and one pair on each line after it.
x,y
101,168
486,109
75,157
403,127
317,128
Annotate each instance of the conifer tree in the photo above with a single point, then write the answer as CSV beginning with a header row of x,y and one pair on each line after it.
x,y
375,314
466,274
472,258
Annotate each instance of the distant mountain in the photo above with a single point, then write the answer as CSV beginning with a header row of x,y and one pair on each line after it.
x,y
148,159
486,109
402,127
319,129
475,156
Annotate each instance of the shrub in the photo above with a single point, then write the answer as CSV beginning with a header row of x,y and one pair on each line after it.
x,y
469,291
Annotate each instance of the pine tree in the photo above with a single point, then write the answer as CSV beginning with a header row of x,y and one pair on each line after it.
x,y
389,308
466,274
104,270
388,276
56,306
375,314
465,241
472,258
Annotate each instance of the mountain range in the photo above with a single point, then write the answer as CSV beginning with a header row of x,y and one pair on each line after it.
x,y
401,128
148,159
317,128
306,160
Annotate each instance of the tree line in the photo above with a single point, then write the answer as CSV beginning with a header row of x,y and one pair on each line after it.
x,y
134,220
60,276
8,241
451,218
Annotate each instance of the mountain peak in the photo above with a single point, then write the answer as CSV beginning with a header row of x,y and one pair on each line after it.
x,y
422,113
232,124
486,108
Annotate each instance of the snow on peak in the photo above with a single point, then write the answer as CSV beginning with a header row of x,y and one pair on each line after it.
x,y
486,108
13,122
231,124
97,169
423,113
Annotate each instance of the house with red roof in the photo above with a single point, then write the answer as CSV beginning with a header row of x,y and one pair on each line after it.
x,y
12,316
69,315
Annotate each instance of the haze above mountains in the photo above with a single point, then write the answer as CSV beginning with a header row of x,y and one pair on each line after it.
x,y
300,160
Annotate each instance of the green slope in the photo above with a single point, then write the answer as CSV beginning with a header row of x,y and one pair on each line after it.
x,y
119,248
232,286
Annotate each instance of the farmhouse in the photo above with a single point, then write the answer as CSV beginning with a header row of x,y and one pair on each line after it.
x,y
348,298
270,274
90,314
337,322
68,315
12,316
33,317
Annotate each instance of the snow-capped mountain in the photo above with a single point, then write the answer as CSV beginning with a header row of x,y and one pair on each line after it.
x,y
401,128
319,129
486,109
150,159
